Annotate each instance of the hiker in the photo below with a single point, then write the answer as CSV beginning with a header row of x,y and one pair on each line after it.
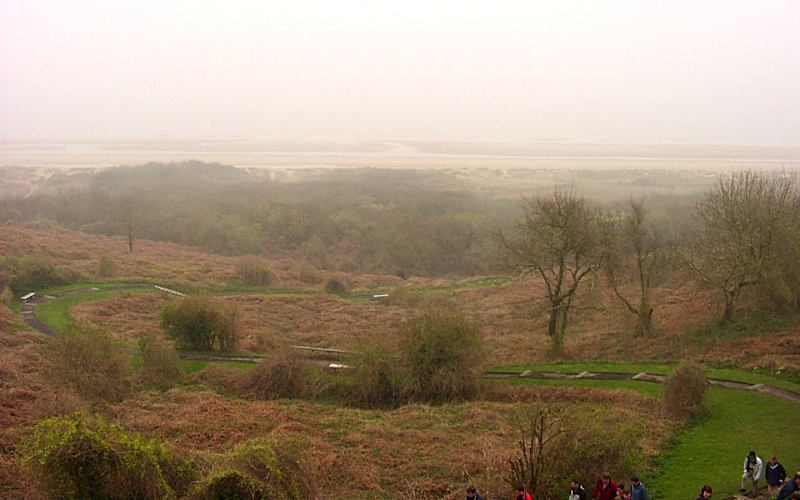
x,y
790,487
638,490
775,475
753,470
576,491
705,493
620,492
472,494
604,489
522,493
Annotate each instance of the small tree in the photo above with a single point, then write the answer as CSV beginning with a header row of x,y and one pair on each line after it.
x,y
201,324
560,239
533,466
738,228
442,353
640,248
377,379
106,266
685,391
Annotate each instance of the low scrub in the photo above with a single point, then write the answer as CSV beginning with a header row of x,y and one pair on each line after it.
x,y
442,352
281,375
555,447
35,271
88,361
378,380
160,367
106,267
256,470
89,457
685,391
201,324
335,286
253,271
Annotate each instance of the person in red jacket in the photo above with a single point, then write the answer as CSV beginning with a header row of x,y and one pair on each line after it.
x,y
521,494
605,488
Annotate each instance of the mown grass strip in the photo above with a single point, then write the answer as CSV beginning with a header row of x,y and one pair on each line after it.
x,y
733,375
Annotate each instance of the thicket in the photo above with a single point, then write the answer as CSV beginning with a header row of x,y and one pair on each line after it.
x,y
201,324
439,360
32,272
160,367
257,470
685,391
369,220
106,266
88,457
87,360
555,447
282,374
253,271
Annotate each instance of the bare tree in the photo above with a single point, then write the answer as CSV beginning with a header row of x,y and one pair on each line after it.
x,y
637,255
559,239
534,465
125,216
735,242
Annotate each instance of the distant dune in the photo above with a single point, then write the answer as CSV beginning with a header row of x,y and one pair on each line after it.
x,y
395,153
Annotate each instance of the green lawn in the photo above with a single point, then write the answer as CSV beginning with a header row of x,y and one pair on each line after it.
x,y
55,313
711,449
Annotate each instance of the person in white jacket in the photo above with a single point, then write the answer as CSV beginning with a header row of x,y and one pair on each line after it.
x,y
753,470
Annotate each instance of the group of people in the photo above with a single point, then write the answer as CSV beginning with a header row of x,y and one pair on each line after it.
x,y
607,489
775,475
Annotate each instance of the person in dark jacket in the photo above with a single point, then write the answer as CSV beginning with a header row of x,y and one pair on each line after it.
x,y
789,487
577,491
775,475
472,494
605,488
638,491
705,493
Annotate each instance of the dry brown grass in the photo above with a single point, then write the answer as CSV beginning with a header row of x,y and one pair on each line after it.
x,y
431,452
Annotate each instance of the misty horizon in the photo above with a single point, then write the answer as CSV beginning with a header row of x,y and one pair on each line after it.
x,y
622,73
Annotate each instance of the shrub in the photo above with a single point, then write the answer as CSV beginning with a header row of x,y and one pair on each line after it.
x,y
685,391
89,457
160,363
201,324
35,271
87,360
106,266
556,447
335,286
307,273
257,470
253,271
377,379
442,353
282,375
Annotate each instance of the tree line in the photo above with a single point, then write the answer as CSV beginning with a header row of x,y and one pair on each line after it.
x,y
743,235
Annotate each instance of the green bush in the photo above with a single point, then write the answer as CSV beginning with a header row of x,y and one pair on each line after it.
x,y
89,457
308,273
106,266
685,391
160,363
87,360
253,271
256,470
442,353
201,324
377,378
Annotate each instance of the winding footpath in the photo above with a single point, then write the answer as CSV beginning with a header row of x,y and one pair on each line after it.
x,y
29,315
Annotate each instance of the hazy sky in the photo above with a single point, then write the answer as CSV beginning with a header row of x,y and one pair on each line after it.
x,y
623,71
